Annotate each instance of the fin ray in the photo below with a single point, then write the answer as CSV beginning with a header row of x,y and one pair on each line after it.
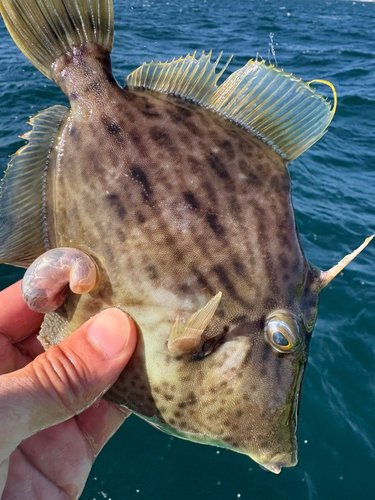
x,y
186,337
22,233
45,29
275,106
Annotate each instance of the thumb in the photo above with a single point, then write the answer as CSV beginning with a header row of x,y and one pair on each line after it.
x,y
66,379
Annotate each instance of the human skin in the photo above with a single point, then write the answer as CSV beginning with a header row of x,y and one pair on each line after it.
x,y
53,422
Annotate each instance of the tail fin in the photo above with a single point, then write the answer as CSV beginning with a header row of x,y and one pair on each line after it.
x,y
45,29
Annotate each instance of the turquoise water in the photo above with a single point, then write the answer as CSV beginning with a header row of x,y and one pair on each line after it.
x,y
333,194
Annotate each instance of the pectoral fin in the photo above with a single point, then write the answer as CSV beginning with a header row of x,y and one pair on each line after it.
x,y
185,337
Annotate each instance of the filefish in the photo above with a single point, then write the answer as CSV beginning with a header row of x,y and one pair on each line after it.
x,y
170,199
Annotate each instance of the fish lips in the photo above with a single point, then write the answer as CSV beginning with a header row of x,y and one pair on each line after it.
x,y
280,460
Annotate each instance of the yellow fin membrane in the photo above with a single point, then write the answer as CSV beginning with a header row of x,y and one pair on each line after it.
x,y
22,231
45,29
186,337
277,107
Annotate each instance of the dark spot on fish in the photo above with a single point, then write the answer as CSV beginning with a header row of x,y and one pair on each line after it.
x,y
182,405
202,280
179,114
183,112
177,414
92,87
283,239
115,202
214,224
168,397
152,272
172,421
218,166
186,289
253,179
192,127
140,177
239,267
191,200
194,164
286,277
192,399
149,111
161,136
73,96
223,277
229,149
113,128
231,441
237,320
72,131
220,313
169,240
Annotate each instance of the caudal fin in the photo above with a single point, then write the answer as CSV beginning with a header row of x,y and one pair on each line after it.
x,y
46,29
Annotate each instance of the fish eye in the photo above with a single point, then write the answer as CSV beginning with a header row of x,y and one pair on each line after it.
x,y
281,336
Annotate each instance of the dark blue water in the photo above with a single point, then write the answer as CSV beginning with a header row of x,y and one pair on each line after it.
x,y
334,199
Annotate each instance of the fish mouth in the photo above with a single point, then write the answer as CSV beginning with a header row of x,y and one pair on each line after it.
x,y
278,461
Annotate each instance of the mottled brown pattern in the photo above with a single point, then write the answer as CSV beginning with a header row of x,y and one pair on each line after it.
x,y
175,204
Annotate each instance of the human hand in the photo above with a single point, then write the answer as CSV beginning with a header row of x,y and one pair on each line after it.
x,y
52,424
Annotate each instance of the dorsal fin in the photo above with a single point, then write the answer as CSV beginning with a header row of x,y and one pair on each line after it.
x,y
22,231
281,109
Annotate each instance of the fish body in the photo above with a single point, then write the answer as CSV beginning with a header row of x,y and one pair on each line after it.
x,y
176,203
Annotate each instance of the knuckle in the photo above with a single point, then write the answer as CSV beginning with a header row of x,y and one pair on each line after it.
x,y
64,378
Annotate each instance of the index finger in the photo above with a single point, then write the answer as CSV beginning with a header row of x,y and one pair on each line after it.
x,y
17,321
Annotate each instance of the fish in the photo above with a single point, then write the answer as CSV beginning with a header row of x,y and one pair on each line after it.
x,y
170,198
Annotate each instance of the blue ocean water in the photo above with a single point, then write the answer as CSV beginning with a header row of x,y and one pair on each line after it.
x,y
333,195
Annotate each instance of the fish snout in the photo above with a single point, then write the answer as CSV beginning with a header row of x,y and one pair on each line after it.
x,y
280,460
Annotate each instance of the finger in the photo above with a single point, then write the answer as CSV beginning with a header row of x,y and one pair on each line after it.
x,y
13,357
66,379
17,321
99,422
30,348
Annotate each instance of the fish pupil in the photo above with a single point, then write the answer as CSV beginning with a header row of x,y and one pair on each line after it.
x,y
280,339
